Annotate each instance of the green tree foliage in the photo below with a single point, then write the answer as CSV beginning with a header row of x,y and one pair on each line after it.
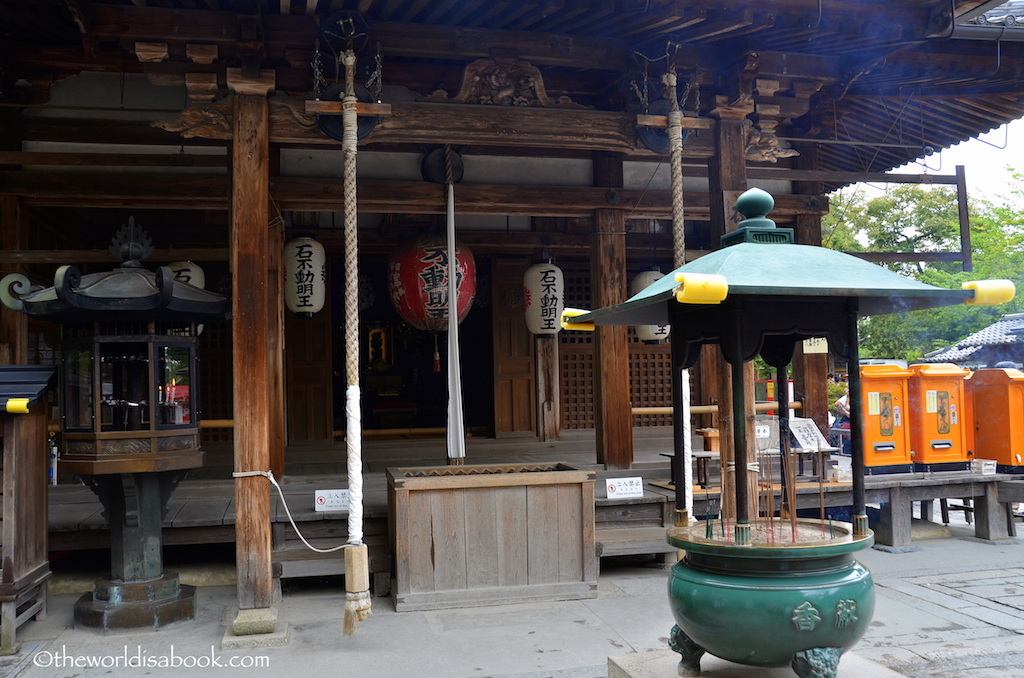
x,y
915,218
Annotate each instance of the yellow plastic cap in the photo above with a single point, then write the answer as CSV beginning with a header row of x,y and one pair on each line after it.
x,y
701,288
17,405
990,292
572,313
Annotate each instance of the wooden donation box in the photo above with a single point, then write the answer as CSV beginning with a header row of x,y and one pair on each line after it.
x,y
480,535
26,565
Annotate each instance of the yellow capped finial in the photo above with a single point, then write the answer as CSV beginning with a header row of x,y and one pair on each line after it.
x,y
701,288
17,405
990,292
572,313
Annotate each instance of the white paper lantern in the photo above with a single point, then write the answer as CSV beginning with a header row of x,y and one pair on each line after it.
x,y
648,333
544,298
305,276
188,272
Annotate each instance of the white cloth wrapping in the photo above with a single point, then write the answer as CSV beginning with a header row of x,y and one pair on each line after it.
x,y
687,442
354,445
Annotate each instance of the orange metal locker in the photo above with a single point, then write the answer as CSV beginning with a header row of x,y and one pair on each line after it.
x,y
886,436
937,417
998,396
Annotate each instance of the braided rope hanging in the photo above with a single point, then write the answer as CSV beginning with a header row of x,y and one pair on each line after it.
x,y
357,584
675,139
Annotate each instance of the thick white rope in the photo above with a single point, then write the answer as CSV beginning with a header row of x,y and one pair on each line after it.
x,y
353,429
273,481
675,139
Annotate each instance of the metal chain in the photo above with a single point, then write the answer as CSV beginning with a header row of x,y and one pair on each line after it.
x,y
643,94
695,81
375,82
319,84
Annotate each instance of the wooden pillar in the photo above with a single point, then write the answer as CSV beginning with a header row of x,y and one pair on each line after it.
x,y
13,325
810,371
612,408
250,262
549,395
13,236
727,179
275,344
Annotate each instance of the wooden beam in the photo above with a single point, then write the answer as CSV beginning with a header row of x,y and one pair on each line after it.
x,y
334,108
429,123
464,44
190,191
292,193
118,189
112,159
103,256
250,336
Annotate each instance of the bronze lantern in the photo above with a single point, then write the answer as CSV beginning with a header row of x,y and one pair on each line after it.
x,y
130,413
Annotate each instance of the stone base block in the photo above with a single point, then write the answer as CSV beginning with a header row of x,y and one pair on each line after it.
x,y
136,605
255,621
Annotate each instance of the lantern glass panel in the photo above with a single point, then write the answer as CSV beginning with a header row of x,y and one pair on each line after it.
x,y
124,386
175,381
78,389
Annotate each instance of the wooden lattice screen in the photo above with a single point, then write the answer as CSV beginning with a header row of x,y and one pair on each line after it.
x,y
215,379
649,367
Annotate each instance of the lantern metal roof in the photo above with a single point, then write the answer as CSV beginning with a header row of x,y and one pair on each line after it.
x,y
22,386
129,292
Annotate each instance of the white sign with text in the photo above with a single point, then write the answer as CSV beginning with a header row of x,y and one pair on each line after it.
x,y
330,500
619,488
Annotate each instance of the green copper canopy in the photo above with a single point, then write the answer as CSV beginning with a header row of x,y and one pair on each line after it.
x,y
755,269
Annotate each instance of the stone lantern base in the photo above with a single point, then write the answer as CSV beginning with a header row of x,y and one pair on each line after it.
x,y
136,604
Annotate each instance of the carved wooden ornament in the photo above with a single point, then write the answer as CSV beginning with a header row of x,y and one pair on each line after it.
x,y
502,82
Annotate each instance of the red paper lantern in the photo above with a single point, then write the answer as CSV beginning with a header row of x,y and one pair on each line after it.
x,y
418,281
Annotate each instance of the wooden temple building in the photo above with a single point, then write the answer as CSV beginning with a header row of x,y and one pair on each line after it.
x,y
214,124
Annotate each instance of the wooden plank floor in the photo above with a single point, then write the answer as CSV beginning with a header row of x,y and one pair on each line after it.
x,y
201,509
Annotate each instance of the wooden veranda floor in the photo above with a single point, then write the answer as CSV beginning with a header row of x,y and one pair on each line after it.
x,y
201,509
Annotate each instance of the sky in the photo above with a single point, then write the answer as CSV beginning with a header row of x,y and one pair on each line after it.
x,y
984,159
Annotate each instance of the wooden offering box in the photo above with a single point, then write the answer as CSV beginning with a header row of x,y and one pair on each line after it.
x,y
480,535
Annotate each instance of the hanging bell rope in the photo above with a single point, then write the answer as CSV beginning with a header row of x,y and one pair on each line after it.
x,y
357,571
675,139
